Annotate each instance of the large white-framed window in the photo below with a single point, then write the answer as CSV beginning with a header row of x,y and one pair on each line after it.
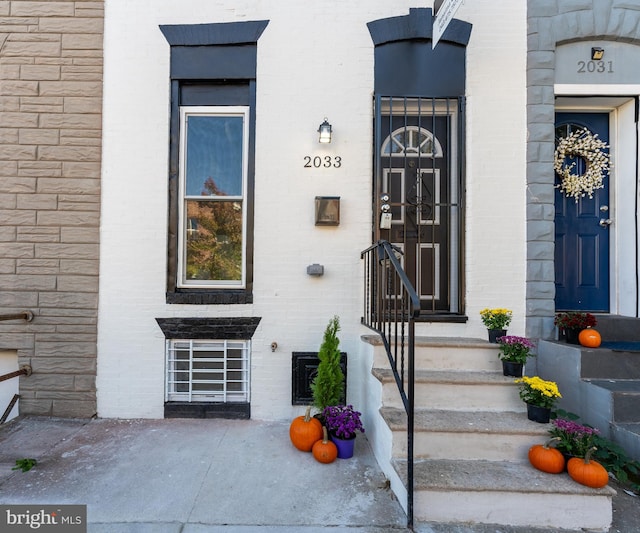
x,y
214,371
213,203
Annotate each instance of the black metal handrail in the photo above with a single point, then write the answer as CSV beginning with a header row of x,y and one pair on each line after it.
x,y
23,315
391,306
25,370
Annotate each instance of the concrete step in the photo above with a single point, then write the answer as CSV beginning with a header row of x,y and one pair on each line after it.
x,y
603,363
444,353
485,435
506,493
471,442
627,435
625,398
455,390
595,384
618,328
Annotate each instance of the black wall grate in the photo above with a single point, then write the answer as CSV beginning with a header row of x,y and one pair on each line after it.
x,y
304,366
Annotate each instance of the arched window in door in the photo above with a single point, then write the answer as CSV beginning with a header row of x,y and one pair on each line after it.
x,y
411,141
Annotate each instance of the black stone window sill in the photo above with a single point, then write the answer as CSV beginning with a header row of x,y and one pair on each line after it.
x,y
443,317
231,328
200,297
241,411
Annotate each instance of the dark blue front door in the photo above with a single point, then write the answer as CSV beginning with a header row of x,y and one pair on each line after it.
x,y
581,231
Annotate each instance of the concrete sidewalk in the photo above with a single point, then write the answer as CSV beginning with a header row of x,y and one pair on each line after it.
x,y
195,476
182,475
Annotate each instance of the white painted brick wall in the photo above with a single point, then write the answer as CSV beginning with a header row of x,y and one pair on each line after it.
x,y
496,169
315,59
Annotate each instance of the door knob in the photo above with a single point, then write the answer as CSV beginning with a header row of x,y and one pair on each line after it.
x,y
604,222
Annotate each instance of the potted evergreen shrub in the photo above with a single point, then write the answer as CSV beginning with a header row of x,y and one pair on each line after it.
x,y
327,386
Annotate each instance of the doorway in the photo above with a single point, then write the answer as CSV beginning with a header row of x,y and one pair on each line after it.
x,y
418,194
582,229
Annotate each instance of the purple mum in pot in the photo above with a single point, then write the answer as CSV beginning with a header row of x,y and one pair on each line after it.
x,y
342,421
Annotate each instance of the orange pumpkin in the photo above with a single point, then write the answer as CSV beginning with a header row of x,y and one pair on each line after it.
x,y
324,450
545,458
305,431
590,338
588,472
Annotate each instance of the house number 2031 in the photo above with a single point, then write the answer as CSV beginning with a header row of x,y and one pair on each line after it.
x,y
599,67
326,161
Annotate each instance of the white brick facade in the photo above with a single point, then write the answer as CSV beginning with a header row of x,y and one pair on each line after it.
x,y
314,60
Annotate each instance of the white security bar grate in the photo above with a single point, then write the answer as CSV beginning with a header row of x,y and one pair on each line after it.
x,y
207,371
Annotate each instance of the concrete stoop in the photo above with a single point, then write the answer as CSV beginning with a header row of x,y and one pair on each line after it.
x,y
474,390
627,435
601,385
620,418
484,435
471,441
505,493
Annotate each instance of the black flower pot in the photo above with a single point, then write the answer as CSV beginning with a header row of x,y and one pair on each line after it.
x,y
535,413
571,335
510,368
495,333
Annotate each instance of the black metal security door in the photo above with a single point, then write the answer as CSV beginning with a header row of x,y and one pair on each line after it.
x,y
418,194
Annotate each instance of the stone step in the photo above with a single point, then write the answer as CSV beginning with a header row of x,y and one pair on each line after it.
x,y
443,353
609,364
627,435
600,401
485,435
625,398
471,442
618,328
455,390
505,493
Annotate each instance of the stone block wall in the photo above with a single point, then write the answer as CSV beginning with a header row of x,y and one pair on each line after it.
x,y
553,22
50,156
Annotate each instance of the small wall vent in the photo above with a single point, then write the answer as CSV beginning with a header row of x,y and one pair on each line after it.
x,y
304,366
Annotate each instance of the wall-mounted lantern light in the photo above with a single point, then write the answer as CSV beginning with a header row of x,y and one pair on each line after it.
x,y
325,132
597,53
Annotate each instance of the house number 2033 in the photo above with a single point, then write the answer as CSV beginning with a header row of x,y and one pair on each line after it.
x,y
326,161
599,67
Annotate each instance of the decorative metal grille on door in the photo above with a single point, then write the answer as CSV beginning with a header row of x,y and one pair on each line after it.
x,y
418,187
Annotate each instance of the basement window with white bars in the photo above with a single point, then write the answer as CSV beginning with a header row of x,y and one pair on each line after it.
x,y
215,371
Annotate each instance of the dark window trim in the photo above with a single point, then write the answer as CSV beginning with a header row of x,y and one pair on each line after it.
x,y
204,45
232,411
210,296
418,24
214,33
443,317
230,328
